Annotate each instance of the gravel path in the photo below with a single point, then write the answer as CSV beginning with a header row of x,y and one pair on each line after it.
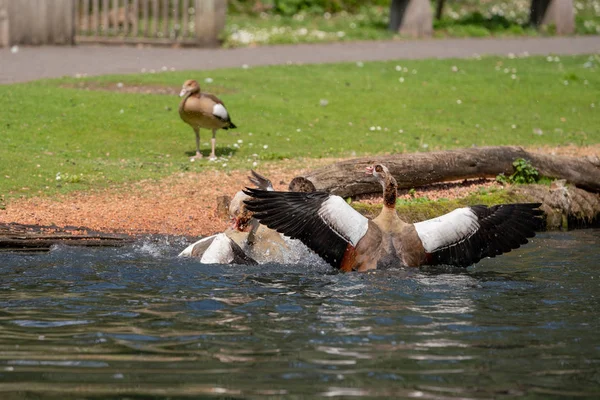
x,y
30,63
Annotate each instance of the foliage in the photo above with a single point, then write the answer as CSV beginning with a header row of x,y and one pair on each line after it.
x,y
291,7
524,173
252,22
106,136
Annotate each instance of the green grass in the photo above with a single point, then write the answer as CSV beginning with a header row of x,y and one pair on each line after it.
x,y
96,139
421,208
461,18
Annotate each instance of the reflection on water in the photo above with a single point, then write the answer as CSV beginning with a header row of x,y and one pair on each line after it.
x,y
139,321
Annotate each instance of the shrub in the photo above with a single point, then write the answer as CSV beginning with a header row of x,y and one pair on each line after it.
x,y
524,173
291,7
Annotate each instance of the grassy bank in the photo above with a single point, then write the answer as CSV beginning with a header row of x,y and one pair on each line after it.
x,y
78,134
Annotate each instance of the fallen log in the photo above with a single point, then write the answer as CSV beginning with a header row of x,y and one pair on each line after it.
x,y
565,207
347,178
32,238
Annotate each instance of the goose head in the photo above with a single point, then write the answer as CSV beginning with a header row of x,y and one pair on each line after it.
x,y
380,172
239,214
190,86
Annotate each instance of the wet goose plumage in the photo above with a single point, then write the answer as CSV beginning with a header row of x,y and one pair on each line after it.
x,y
246,241
351,242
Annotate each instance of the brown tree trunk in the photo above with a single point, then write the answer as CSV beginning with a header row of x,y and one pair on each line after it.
x,y
347,178
33,238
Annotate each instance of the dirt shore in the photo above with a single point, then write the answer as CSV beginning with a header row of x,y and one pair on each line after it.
x,y
185,203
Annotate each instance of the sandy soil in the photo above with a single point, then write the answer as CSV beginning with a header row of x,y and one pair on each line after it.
x,y
186,203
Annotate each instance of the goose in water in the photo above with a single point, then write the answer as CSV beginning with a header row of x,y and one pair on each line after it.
x,y
351,242
247,241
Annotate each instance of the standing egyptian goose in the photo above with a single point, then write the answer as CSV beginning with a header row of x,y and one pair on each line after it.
x,y
203,110
350,242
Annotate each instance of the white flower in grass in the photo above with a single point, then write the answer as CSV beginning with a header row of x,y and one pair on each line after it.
x,y
401,79
208,80
359,64
459,101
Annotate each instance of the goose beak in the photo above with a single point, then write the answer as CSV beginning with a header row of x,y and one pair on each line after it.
x,y
369,170
183,92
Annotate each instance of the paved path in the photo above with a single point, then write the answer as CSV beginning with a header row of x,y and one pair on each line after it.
x,y
30,63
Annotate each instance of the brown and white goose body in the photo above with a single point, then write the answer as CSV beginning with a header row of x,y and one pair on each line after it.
x,y
246,241
203,110
351,242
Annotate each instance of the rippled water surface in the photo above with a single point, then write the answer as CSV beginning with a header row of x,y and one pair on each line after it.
x,y
138,322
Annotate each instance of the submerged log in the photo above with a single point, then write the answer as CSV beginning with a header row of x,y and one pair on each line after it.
x,y
566,207
32,238
347,178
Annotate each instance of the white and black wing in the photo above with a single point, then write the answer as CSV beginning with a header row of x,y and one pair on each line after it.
x,y
223,250
198,248
324,223
466,235
260,181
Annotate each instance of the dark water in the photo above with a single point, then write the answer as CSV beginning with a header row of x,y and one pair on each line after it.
x,y
138,322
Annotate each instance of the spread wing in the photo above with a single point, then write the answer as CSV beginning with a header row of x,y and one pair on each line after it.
x,y
261,181
466,235
324,223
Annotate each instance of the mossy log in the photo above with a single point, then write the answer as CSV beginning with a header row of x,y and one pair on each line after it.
x,y
32,238
347,178
565,206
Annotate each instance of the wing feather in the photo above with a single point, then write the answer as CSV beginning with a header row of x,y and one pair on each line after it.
x,y
324,223
466,235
